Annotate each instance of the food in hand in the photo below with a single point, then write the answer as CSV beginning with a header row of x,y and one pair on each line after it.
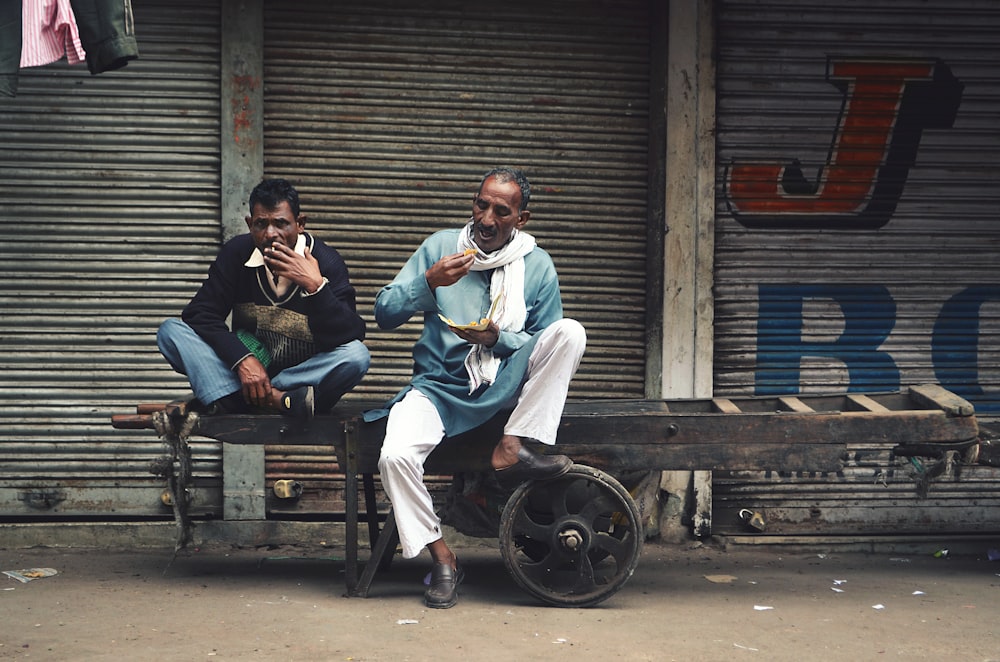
x,y
481,325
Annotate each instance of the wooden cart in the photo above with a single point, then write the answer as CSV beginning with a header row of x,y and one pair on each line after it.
x,y
575,540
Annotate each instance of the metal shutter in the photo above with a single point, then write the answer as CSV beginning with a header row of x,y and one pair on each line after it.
x,y
110,190
386,115
926,278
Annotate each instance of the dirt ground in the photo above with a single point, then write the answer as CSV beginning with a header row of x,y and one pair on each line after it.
x,y
685,602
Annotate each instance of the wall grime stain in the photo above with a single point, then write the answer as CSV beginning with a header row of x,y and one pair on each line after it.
x,y
243,111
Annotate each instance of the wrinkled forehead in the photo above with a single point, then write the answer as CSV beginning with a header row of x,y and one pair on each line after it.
x,y
501,190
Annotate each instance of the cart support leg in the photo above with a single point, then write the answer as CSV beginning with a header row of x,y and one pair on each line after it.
x,y
371,508
349,467
702,503
385,547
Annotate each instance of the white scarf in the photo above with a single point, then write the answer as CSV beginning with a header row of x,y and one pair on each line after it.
x,y
506,288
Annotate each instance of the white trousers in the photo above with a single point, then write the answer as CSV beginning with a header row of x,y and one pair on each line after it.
x,y
414,429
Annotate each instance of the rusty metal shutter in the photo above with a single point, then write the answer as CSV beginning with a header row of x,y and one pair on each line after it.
x,y
884,278
386,114
110,189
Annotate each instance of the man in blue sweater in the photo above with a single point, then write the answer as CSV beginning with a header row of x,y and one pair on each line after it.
x,y
295,346
517,353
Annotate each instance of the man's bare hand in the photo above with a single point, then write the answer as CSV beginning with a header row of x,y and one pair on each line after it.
x,y
449,270
256,384
303,270
487,336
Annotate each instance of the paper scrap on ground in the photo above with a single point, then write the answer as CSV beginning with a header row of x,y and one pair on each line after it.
x,y
721,579
761,608
25,576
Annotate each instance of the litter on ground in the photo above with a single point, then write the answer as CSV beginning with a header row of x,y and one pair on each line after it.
x,y
25,576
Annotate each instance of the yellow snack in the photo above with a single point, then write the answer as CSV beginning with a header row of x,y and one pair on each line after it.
x,y
471,326
481,325
469,251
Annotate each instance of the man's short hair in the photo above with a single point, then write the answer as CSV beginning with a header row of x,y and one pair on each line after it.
x,y
507,174
272,192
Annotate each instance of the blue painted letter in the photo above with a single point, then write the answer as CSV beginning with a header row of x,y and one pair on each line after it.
x,y
955,344
869,314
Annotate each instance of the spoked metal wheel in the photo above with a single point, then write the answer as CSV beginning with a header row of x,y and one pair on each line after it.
x,y
572,541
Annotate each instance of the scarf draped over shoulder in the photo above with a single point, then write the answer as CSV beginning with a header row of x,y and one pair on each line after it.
x,y
506,289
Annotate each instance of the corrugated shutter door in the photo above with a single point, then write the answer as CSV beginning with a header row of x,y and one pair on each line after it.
x,y
386,114
902,288
110,191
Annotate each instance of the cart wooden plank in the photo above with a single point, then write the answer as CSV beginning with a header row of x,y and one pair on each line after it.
x,y
794,404
864,403
725,406
937,397
787,433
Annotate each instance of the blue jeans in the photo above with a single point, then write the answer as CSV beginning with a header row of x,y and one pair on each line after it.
x,y
332,374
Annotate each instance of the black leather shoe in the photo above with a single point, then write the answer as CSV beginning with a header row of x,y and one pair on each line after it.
x,y
443,590
532,466
299,403
229,404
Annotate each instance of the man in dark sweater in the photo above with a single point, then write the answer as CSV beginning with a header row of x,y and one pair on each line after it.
x,y
295,345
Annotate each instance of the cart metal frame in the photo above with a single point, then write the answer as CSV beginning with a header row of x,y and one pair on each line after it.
x,y
587,520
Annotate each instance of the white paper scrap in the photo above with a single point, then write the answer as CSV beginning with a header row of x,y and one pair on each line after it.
x,y
25,576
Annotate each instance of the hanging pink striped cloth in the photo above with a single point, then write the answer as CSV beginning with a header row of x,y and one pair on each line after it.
x,y
49,32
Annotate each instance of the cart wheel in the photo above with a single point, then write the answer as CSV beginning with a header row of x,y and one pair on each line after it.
x,y
572,541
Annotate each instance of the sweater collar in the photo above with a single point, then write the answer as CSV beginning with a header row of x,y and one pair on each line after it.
x,y
257,258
